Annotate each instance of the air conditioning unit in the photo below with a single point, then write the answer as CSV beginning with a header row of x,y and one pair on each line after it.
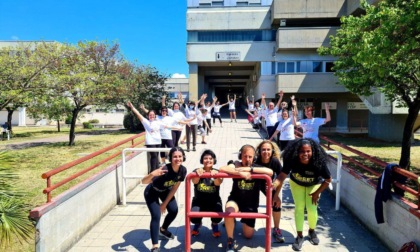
x,y
254,77
283,22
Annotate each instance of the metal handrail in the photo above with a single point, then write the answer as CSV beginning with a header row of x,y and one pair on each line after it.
x,y
48,175
189,214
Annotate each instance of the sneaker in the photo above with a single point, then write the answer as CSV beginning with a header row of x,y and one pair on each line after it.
x,y
215,229
297,245
277,235
166,234
231,245
203,142
313,238
155,249
194,148
196,229
187,150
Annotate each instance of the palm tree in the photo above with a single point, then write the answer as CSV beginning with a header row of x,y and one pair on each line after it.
x,y
14,221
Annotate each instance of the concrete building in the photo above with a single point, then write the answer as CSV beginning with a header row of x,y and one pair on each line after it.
x,y
251,47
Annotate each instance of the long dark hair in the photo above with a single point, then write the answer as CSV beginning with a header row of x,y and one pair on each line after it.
x,y
291,154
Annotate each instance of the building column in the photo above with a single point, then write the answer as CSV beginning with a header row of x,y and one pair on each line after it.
x,y
193,82
22,117
342,116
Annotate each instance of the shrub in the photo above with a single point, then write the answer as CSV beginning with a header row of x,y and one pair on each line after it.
x,y
87,125
129,119
94,121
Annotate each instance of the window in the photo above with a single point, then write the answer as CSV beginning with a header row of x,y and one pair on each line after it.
x,y
298,66
328,66
232,36
281,67
317,66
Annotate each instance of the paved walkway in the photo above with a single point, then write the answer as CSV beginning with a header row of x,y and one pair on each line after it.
x,y
126,228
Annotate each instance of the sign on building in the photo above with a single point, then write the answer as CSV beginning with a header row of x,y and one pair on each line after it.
x,y
356,106
228,56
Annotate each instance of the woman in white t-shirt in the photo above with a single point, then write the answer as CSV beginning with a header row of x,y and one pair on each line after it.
x,y
153,137
216,111
232,109
286,128
250,109
311,124
208,106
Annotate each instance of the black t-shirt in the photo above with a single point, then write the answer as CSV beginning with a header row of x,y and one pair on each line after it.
x,y
274,165
205,191
169,179
246,192
307,175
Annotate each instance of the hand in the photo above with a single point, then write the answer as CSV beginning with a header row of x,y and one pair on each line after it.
x,y
252,96
213,172
142,106
263,96
281,93
292,97
163,97
276,201
245,175
215,99
294,102
327,106
315,198
159,171
199,171
130,105
162,208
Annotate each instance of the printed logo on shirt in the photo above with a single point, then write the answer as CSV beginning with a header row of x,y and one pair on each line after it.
x,y
169,183
206,188
243,185
298,177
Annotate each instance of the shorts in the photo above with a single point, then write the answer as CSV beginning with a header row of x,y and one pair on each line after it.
x,y
245,209
232,110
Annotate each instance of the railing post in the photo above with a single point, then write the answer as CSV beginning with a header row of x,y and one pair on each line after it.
x,y
48,193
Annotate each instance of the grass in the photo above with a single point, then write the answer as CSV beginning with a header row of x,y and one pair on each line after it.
x,y
31,160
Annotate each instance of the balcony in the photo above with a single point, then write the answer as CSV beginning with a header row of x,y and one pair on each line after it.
x,y
353,6
284,9
304,38
309,83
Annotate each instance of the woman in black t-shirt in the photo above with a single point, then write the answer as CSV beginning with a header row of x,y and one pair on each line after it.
x,y
163,184
206,193
268,155
306,162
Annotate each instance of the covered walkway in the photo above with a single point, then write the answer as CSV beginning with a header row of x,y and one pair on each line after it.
x,y
126,228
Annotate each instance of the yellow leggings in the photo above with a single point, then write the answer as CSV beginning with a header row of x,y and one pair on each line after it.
x,y
302,199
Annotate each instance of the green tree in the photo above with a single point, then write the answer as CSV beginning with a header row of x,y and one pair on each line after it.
x,y
86,75
22,68
14,222
381,50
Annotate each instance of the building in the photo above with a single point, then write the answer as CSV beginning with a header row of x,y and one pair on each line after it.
x,y
251,47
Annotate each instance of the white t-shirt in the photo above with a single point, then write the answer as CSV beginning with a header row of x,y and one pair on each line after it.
x,y
166,133
231,105
286,129
311,127
250,106
270,116
152,131
190,113
208,115
178,116
200,118
217,109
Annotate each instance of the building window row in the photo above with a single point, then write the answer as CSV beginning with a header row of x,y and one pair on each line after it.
x,y
219,3
301,67
231,36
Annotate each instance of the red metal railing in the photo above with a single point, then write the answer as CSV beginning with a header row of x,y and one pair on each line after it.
x,y
189,214
48,175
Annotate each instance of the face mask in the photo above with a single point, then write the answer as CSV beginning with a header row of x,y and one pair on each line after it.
x,y
176,110
191,106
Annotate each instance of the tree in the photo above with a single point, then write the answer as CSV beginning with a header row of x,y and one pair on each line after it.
x,y
22,68
86,75
381,49
14,222
141,85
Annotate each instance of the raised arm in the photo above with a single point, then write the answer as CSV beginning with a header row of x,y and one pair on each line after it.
x,y
180,98
327,112
263,101
144,108
280,99
135,111
234,98
253,99
163,100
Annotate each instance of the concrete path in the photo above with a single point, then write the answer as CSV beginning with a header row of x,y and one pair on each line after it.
x,y
126,228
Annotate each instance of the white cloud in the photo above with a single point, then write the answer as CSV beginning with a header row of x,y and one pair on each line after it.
x,y
15,38
178,75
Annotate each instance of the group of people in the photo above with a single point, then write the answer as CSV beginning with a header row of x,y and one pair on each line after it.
x,y
303,160
281,119
165,130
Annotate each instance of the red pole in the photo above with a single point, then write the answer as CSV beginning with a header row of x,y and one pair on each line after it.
x,y
187,212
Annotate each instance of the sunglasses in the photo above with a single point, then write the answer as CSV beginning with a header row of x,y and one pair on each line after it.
x,y
164,110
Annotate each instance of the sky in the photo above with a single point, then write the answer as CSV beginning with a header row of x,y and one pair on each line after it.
x,y
151,32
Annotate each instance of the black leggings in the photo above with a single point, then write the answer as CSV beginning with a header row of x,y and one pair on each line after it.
x,y
217,116
197,206
191,130
152,200
176,135
204,125
154,160
166,143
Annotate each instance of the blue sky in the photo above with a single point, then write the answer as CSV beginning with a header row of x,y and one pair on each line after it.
x,y
152,32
